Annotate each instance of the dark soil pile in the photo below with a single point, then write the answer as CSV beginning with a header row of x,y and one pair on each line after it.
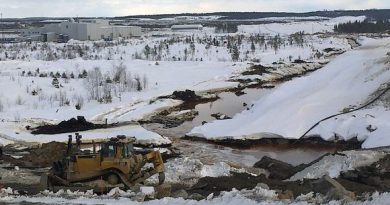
x,y
256,70
72,125
187,95
299,61
285,170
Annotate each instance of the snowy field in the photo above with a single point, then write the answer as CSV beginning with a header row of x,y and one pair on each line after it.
x,y
45,83
294,107
121,82
308,27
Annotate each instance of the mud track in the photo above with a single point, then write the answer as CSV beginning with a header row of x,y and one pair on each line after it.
x,y
309,141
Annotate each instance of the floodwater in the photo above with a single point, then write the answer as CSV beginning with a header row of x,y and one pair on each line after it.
x,y
230,104
211,153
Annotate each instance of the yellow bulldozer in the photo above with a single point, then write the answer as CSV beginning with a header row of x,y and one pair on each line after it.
x,y
115,162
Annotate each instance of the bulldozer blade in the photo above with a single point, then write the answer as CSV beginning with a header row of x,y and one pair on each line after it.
x,y
44,182
161,178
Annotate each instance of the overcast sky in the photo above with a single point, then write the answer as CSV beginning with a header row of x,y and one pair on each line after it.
x,y
95,8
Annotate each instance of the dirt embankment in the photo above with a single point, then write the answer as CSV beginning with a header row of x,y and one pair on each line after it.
x,y
356,183
42,156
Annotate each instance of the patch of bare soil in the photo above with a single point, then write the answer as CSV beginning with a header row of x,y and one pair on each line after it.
x,y
257,70
170,121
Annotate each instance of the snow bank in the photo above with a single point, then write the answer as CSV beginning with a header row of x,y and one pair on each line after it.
x,y
142,135
295,106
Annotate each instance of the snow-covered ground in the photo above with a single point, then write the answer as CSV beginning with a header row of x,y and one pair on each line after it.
x,y
20,107
20,134
308,27
257,196
294,107
157,65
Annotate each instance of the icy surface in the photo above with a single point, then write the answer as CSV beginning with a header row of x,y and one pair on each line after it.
x,y
188,170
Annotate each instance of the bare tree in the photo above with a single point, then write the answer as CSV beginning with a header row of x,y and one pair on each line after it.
x,y
79,101
63,99
145,81
94,82
138,83
19,100
1,106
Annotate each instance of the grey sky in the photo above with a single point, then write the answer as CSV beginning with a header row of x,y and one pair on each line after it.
x,y
92,8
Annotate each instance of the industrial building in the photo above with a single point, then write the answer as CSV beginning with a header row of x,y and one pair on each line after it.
x,y
95,29
187,27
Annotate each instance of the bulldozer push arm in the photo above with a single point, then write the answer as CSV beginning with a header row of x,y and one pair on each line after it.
x,y
158,167
156,159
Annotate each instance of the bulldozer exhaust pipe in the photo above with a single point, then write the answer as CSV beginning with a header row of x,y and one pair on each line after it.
x,y
69,148
78,141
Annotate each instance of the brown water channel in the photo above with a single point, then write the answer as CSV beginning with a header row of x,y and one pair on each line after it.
x,y
230,104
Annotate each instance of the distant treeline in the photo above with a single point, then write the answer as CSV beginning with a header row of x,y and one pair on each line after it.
x,y
373,13
363,27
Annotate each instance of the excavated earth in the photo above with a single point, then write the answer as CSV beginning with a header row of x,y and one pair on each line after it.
x,y
362,181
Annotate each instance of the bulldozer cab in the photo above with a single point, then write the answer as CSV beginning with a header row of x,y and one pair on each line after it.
x,y
117,150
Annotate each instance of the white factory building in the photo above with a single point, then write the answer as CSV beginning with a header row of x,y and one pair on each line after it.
x,y
187,27
95,29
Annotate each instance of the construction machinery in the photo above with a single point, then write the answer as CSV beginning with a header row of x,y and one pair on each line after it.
x,y
115,162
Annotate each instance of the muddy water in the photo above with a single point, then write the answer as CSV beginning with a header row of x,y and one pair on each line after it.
x,y
210,153
230,104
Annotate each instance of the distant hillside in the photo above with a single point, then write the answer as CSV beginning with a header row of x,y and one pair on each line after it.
x,y
373,13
